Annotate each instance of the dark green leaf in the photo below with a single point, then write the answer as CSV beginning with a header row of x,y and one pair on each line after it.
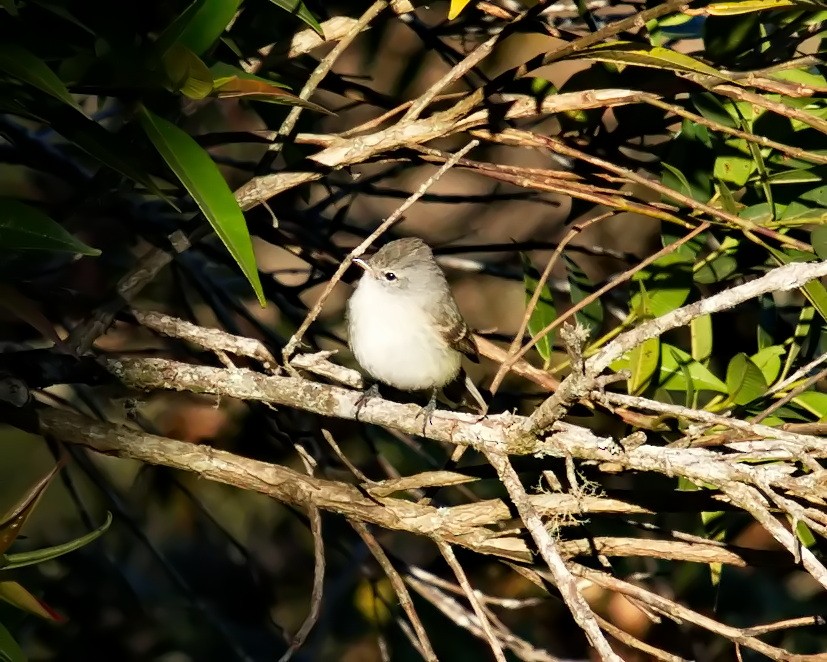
x,y
544,312
201,177
199,26
298,9
25,228
668,281
10,651
26,67
13,561
580,287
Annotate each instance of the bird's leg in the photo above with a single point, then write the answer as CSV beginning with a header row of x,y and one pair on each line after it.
x,y
372,392
427,412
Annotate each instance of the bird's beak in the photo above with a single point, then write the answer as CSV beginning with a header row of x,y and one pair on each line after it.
x,y
362,263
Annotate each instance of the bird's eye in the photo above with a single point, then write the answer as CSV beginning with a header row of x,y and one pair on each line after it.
x,y
390,276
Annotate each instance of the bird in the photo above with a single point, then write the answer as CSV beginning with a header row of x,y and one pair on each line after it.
x,y
404,326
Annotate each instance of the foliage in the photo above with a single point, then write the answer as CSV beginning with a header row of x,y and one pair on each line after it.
x,y
184,157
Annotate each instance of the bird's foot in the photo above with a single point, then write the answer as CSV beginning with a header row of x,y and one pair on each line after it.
x,y
372,392
427,412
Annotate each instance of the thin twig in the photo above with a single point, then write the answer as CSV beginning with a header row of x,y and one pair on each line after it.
x,y
563,579
398,586
459,573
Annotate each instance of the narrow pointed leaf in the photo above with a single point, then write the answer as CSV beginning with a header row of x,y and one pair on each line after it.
x,y
456,8
298,9
10,651
16,595
199,26
701,338
643,364
627,52
201,177
229,83
25,228
30,69
543,314
580,287
814,402
13,561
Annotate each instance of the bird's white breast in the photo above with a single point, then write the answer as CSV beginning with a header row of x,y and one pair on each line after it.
x,y
395,341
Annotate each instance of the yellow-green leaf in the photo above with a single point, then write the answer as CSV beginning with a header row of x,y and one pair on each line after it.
x,y
23,227
744,7
544,312
186,72
745,381
657,57
16,595
201,177
700,332
10,651
456,8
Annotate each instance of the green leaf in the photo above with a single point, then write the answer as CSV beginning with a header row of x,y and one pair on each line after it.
x,y
10,650
745,381
199,26
685,187
19,597
675,364
201,177
544,312
745,7
768,361
186,72
716,270
700,332
13,561
628,52
713,109
643,359
30,69
591,316
733,168
803,533
25,228
298,9
668,281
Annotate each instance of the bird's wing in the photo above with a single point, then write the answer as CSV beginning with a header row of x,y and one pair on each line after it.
x,y
457,334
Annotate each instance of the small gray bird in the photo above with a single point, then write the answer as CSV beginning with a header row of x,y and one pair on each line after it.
x,y
404,326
